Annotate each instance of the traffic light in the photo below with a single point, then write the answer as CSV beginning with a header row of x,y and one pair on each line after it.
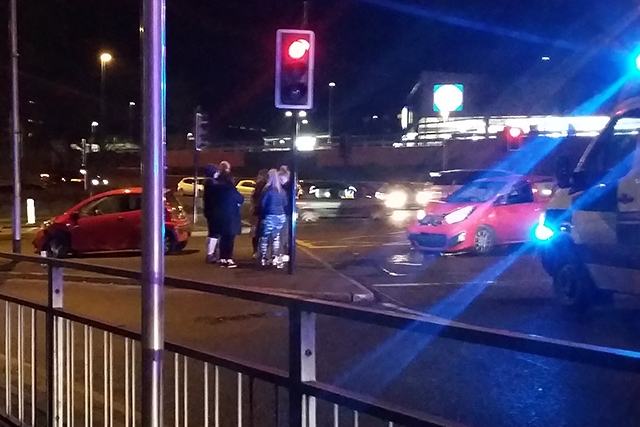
x,y
294,69
514,137
201,130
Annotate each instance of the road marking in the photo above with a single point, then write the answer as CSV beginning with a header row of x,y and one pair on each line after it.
x,y
366,294
23,229
205,233
310,245
425,284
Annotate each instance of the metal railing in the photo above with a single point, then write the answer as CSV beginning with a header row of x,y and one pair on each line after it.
x,y
64,369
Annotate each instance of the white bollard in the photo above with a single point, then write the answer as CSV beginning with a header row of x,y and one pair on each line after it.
x,y
31,211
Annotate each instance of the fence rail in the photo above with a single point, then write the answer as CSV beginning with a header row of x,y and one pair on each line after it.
x,y
59,367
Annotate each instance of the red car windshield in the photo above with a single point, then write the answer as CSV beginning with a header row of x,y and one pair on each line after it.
x,y
476,192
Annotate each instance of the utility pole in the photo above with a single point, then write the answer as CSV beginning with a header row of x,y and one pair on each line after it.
x,y
15,129
294,196
305,14
201,121
153,237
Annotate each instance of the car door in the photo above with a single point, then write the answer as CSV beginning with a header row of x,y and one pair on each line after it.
x,y
101,225
605,218
518,214
130,222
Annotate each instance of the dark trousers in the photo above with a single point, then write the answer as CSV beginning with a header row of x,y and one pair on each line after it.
x,y
226,246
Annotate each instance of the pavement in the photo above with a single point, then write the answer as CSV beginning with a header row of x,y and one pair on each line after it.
x,y
313,278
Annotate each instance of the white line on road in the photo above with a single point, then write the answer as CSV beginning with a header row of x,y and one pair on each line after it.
x,y
204,233
425,284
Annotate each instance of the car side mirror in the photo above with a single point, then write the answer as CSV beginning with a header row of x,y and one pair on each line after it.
x,y
74,217
500,200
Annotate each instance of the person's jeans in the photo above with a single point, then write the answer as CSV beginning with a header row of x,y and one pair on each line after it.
x,y
270,233
226,246
284,234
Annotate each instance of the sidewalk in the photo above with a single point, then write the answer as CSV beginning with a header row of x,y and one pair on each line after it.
x,y
312,277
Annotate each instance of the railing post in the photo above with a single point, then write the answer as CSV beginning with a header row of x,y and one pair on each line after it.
x,y
302,366
54,342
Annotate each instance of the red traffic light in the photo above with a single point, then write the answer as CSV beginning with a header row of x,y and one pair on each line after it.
x,y
298,49
294,69
515,133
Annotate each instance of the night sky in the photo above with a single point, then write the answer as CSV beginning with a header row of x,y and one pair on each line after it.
x,y
220,53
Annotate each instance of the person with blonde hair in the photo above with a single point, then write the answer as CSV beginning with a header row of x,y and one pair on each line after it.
x,y
272,208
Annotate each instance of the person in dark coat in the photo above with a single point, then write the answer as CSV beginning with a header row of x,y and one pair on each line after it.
x,y
225,214
209,201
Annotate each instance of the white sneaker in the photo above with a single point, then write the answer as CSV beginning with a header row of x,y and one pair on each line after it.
x,y
231,264
285,258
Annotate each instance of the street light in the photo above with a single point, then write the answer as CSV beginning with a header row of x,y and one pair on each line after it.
x,y
288,114
105,58
332,85
131,105
302,114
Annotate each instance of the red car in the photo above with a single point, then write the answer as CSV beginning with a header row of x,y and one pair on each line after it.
x,y
481,215
110,221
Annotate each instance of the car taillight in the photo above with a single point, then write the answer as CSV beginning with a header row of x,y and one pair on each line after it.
x,y
176,213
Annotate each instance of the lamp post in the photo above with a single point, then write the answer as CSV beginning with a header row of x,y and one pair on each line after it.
x,y
131,105
105,58
332,85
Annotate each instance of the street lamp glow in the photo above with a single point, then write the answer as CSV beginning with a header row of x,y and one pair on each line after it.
x,y
332,84
288,114
305,122
131,104
94,124
105,57
302,114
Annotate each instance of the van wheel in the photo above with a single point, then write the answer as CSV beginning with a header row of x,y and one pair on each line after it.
x,y
484,240
573,287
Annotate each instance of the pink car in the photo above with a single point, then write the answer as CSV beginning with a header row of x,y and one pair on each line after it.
x,y
481,215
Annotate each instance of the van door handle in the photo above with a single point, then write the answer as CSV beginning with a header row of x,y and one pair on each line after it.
x,y
625,199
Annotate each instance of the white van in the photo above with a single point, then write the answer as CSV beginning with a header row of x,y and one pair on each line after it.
x,y
590,231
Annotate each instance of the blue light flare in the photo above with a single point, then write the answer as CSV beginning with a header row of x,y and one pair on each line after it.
x,y
473,25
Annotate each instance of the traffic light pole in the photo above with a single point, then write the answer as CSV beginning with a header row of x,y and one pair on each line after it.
x,y
15,130
293,196
195,166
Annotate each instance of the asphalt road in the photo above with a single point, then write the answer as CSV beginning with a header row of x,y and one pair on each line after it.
x,y
468,383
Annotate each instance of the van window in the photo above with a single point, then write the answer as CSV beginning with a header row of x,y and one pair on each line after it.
x,y
612,156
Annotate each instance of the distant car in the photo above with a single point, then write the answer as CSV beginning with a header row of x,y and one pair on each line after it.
x,y
72,177
479,216
186,186
324,199
441,184
246,187
412,196
110,221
